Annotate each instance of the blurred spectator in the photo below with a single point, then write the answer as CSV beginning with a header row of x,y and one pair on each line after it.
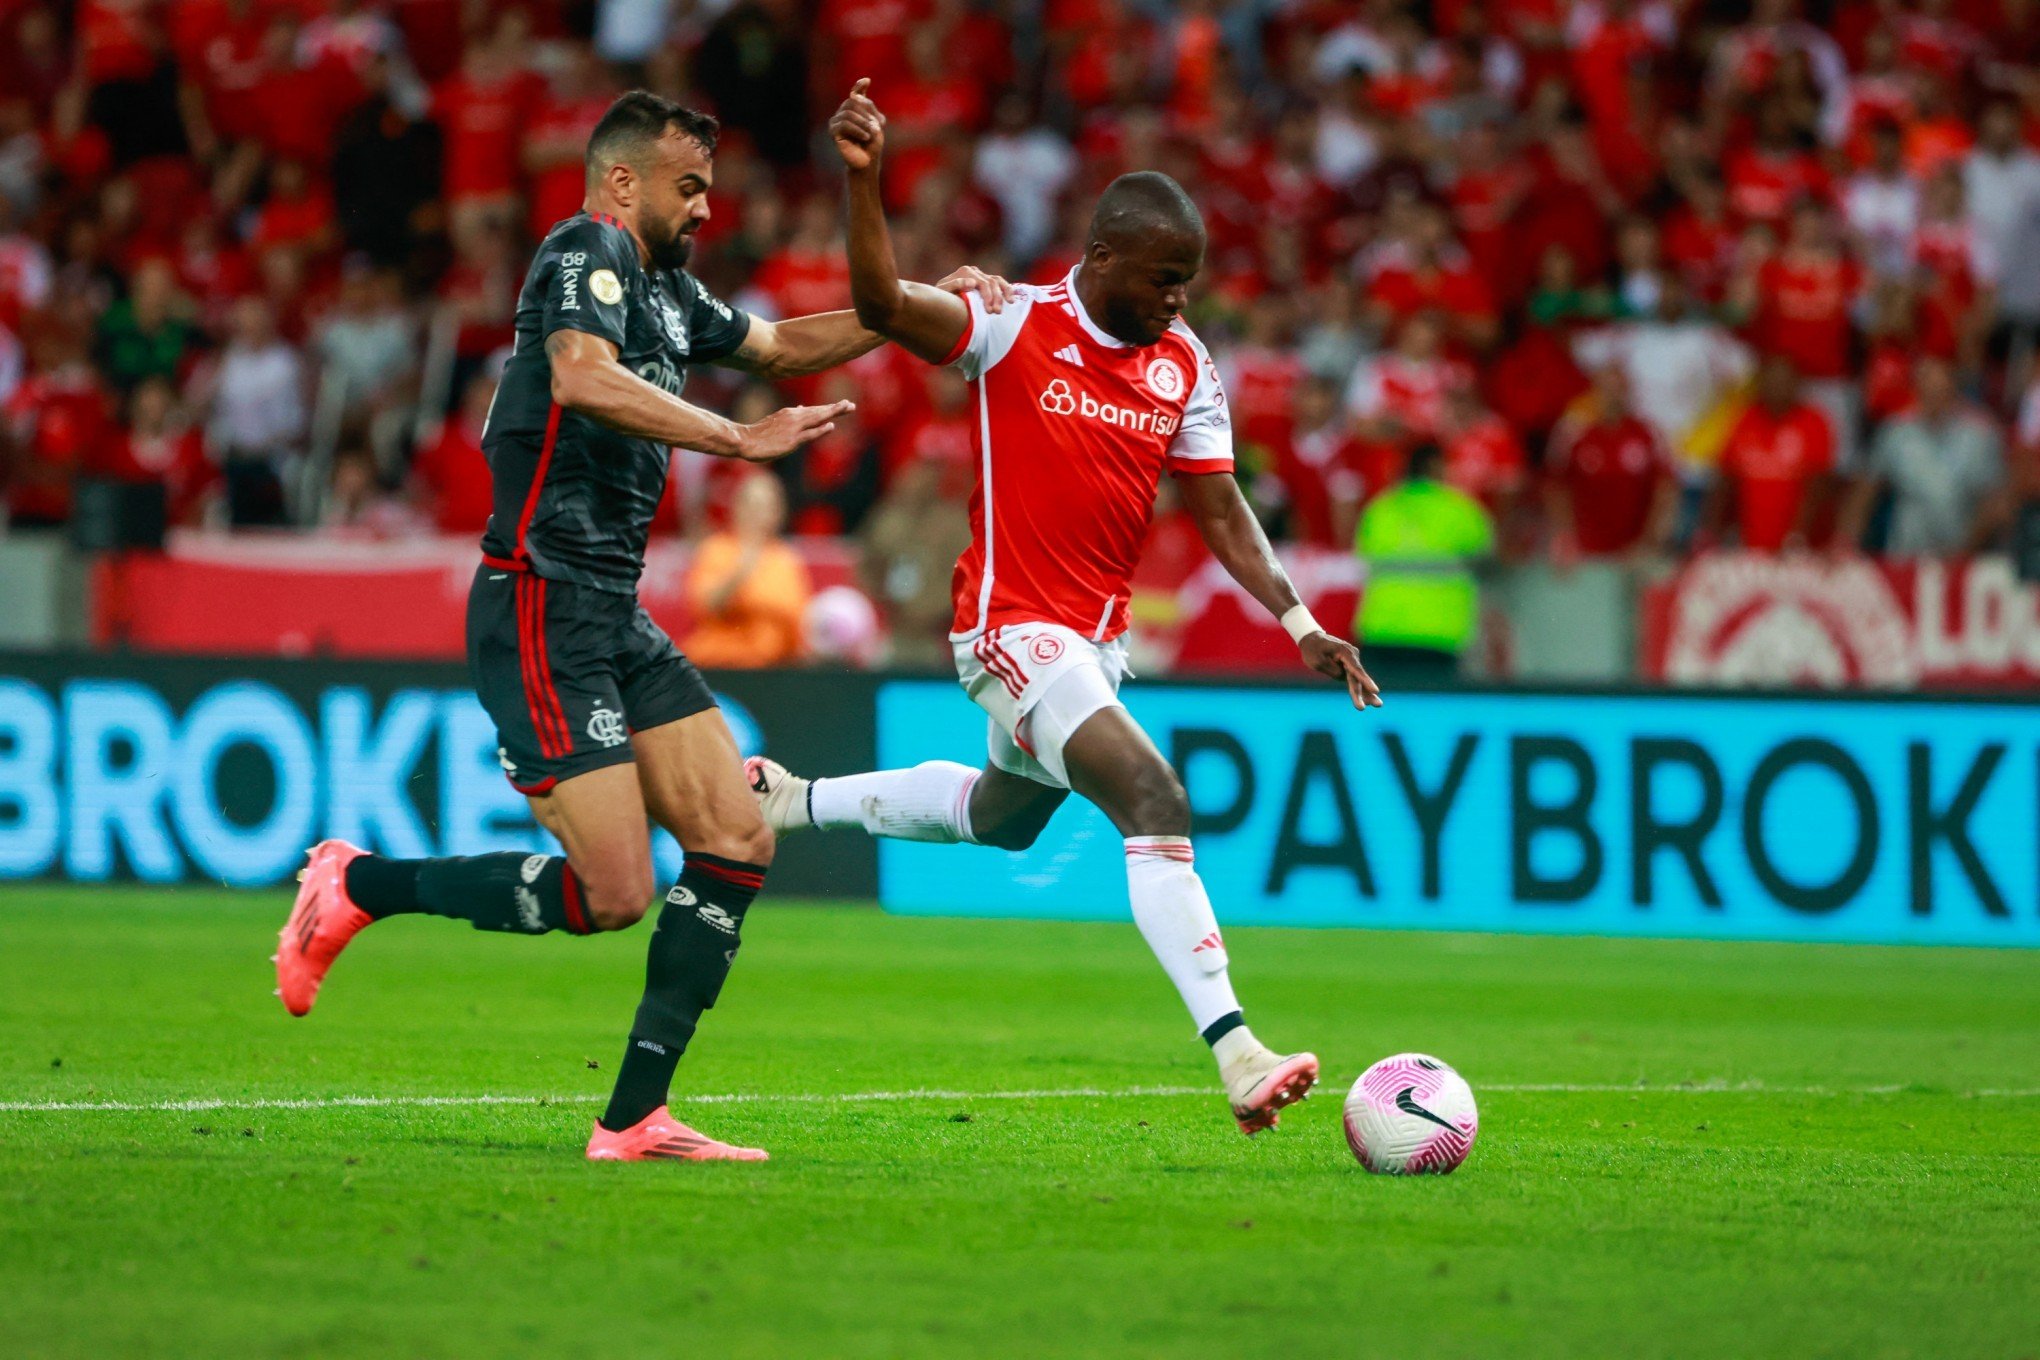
x,y
556,140
146,334
1314,488
748,589
1420,604
357,501
2002,183
367,350
1024,165
1942,462
1805,294
57,423
753,56
1776,468
1882,204
1683,369
160,445
832,483
1610,488
1483,457
451,476
386,165
910,545
257,401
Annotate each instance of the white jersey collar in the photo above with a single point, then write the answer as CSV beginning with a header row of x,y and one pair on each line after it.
x,y
1091,327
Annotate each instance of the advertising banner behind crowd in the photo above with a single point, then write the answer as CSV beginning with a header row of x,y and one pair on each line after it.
x,y
1839,623
1797,819
190,770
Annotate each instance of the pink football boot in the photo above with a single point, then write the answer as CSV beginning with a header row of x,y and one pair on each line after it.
x,y
661,1137
320,925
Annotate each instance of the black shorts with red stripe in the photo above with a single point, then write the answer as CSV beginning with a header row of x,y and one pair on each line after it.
x,y
567,672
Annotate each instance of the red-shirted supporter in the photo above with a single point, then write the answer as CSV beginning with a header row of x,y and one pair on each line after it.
x,y
556,139
1430,274
1483,457
1319,472
481,111
297,214
1609,484
450,475
1398,398
866,38
1775,171
1776,468
56,421
159,445
1262,373
808,274
936,99
940,434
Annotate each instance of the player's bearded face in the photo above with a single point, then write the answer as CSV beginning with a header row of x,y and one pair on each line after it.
x,y
675,203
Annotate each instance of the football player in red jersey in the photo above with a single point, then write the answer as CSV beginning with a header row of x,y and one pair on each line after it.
x,y
1085,391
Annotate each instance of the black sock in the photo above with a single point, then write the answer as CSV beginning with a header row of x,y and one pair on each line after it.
x,y
527,894
1224,1025
691,951
384,887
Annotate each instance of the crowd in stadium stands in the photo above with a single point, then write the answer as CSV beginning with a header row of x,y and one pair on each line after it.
x,y
1649,275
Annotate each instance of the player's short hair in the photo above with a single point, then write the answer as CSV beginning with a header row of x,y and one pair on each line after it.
x,y
634,124
1141,205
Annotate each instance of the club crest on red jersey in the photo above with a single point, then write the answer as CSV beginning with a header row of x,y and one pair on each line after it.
x,y
1165,379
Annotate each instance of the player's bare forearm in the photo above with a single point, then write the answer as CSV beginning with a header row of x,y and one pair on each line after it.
x,y
802,345
588,378
924,321
1227,524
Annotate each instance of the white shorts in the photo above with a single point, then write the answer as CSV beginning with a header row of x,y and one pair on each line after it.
x,y
1038,681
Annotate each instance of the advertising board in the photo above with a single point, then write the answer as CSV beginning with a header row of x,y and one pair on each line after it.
x,y
1784,818
170,770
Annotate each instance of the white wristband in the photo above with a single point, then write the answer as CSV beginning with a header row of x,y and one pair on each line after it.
x,y
1299,623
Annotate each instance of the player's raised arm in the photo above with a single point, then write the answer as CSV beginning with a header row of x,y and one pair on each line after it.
x,y
1235,537
926,322
588,377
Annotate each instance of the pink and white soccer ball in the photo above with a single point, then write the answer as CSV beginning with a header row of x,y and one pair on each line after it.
x,y
1411,1115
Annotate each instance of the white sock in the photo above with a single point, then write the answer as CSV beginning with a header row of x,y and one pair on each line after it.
x,y
1174,916
930,802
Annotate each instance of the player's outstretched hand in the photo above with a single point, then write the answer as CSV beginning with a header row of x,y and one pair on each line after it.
x,y
858,128
1340,660
787,429
992,290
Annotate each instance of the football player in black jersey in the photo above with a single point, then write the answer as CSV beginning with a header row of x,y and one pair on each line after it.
x,y
601,721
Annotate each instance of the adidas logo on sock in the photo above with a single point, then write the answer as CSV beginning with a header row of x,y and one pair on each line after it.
x,y
1068,354
1210,941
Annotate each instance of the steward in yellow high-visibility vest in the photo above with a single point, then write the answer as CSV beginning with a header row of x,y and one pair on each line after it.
x,y
1419,541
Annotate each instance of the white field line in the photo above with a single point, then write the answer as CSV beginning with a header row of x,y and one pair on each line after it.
x,y
199,1104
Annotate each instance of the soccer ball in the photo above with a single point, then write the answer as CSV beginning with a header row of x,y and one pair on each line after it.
x,y
1411,1115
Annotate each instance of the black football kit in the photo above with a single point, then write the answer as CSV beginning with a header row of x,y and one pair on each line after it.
x,y
564,658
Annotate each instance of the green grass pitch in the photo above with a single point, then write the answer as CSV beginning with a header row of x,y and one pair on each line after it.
x,y
1687,1149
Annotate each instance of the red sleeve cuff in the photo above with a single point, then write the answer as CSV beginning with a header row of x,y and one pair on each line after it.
x,y
962,341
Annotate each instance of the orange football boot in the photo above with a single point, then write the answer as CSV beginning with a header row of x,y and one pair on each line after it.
x,y
320,925
661,1137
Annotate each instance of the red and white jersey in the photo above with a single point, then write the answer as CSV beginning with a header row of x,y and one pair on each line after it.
x,y
1072,431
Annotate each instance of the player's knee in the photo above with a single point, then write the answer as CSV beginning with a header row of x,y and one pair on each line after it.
x,y
1014,833
747,842
617,897
1160,807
